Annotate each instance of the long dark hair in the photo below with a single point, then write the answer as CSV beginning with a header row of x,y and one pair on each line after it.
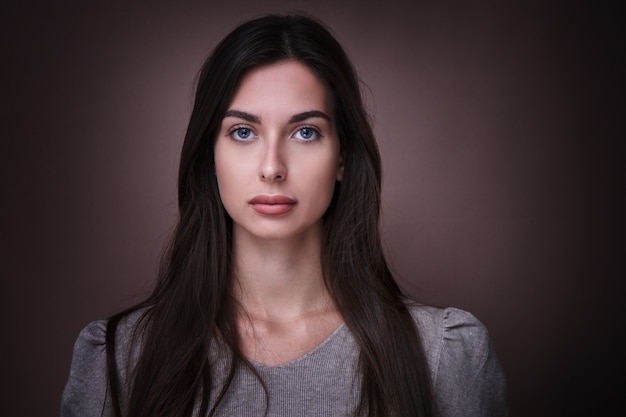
x,y
192,303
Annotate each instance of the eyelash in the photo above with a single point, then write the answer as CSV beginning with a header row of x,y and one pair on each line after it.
x,y
316,133
236,129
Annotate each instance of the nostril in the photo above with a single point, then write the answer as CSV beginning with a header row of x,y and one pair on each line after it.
x,y
273,174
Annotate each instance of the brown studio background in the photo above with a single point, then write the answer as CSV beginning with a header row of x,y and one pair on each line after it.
x,y
497,128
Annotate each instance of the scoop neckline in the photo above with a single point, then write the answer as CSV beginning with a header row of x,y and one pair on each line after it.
x,y
301,358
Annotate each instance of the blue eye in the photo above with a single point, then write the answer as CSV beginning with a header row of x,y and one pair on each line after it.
x,y
242,133
307,133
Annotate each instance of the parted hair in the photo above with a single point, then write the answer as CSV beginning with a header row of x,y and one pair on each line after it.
x,y
192,302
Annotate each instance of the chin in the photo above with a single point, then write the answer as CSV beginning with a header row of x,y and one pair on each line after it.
x,y
277,232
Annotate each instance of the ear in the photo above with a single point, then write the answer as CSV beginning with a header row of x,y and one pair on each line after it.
x,y
340,169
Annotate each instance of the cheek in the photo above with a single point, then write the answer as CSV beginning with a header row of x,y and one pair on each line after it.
x,y
321,179
235,176
226,180
228,191
224,176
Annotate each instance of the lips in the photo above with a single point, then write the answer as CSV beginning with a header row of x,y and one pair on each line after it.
x,y
272,204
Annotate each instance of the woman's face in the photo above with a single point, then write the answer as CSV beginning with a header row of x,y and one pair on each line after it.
x,y
277,154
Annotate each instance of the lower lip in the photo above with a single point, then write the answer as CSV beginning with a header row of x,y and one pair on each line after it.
x,y
273,208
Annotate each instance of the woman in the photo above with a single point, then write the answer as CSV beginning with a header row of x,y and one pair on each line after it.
x,y
274,297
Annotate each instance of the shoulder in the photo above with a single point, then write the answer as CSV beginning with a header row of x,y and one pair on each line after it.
x,y
466,374
91,339
85,391
451,326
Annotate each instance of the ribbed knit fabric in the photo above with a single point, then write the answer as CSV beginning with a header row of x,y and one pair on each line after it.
x,y
467,377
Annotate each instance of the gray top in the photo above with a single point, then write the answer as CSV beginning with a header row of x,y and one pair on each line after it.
x,y
467,378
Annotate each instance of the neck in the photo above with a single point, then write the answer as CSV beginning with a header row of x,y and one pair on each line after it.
x,y
279,280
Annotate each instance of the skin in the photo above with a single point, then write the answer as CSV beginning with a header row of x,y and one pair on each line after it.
x,y
279,139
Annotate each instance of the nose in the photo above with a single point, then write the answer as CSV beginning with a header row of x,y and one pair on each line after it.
x,y
273,167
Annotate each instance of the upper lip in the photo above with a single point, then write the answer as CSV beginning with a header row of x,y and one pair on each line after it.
x,y
272,199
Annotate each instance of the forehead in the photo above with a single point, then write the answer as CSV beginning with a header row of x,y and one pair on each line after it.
x,y
287,86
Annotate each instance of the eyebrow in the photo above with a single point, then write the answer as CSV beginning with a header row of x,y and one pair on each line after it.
x,y
243,115
300,117
294,119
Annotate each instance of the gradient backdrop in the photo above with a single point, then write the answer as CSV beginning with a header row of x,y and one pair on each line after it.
x,y
497,128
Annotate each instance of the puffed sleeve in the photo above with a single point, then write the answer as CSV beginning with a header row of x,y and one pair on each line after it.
x,y
85,392
468,379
